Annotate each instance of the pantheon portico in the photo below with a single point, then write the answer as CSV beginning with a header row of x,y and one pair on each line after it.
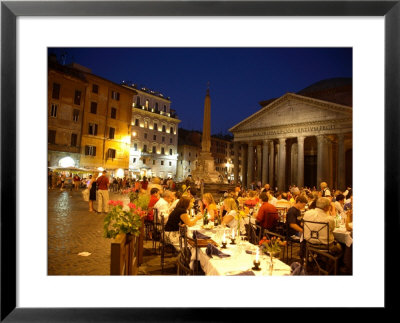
x,y
296,139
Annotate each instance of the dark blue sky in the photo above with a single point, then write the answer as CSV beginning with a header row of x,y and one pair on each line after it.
x,y
239,77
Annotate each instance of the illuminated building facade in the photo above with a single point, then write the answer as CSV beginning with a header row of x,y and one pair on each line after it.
x,y
154,135
92,119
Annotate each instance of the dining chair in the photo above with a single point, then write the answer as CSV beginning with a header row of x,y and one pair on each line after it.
x,y
318,250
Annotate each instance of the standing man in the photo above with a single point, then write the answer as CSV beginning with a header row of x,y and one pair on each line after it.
x,y
103,197
324,190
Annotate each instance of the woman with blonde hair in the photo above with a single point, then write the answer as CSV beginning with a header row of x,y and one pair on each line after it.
x,y
230,219
209,204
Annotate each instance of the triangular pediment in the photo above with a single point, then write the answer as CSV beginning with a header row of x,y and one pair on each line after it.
x,y
292,109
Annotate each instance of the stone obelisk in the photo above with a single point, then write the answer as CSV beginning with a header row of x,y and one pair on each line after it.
x,y
205,164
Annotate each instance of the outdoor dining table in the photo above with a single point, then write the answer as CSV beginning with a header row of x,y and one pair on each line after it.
x,y
239,261
343,236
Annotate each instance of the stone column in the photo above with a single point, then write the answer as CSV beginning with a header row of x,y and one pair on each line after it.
x,y
244,165
265,162
300,161
236,161
293,163
341,163
250,163
320,154
259,163
282,164
271,164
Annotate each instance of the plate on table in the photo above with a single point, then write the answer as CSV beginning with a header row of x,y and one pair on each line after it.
x,y
208,226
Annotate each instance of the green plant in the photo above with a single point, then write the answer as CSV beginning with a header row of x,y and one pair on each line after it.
x,y
140,200
119,220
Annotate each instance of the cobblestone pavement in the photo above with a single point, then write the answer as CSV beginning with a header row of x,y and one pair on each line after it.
x,y
73,229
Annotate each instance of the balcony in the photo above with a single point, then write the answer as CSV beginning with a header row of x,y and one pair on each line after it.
x,y
166,114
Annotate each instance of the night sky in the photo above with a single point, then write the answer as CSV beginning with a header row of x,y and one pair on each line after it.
x,y
239,77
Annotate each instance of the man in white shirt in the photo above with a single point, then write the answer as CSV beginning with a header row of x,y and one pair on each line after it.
x,y
164,204
320,214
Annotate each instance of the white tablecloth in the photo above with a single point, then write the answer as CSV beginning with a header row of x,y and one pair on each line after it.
x,y
343,236
238,261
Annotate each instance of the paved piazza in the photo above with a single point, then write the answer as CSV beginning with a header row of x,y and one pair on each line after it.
x,y
73,229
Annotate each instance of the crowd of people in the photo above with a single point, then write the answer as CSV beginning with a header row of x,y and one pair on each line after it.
x,y
181,203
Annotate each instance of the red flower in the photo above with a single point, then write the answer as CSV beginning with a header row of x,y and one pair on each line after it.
x,y
119,203
132,206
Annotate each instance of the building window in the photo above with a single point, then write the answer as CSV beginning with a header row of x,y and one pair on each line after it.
x,y
74,139
113,113
190,154
162,151
138,101
163,129
165,108
189,162
146,124
93,107
115,95
52,137
170,151
154,162
170,163
181,162
154,137
53,112
145,136
170,140
155,126
147,104
163,139
156,106
171,130
111,133
189,170
145,148
93,129
136,122
111,153
90,150
56,91
154,150
134,160
77,99
75,115
144,161
135,147
162,163
95,88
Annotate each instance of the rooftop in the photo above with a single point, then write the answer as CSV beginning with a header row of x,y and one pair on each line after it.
x,y
145,89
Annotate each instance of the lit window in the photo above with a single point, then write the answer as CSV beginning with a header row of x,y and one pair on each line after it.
x,y
90,150
53,112
115,95
93,129
75,115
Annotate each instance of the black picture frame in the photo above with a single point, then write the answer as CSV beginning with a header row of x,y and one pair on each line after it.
x,y
10,10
